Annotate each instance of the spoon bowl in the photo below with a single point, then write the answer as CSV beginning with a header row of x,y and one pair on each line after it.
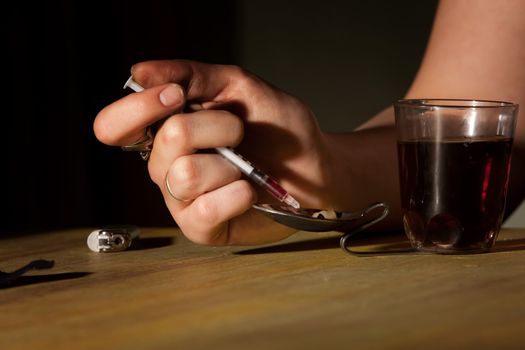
x,y
307,219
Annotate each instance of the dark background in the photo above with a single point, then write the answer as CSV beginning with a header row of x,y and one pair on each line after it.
x,y
68,59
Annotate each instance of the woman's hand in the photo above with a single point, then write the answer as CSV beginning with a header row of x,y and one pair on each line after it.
x,y
202,106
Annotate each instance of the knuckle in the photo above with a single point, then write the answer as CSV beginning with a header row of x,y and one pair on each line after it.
x,y
206,212
185,173
236,71
175,130
244,79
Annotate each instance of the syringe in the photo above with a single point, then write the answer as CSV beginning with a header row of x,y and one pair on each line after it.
x,y
257,176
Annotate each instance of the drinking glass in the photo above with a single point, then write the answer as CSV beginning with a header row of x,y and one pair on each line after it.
x,y
454,163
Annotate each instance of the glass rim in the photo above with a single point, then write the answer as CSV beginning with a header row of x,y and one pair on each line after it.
x,y
452,103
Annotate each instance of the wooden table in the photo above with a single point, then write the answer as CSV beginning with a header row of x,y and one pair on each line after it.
x,y
300,293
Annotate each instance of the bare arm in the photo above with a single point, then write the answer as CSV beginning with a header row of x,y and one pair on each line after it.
x,y
476,51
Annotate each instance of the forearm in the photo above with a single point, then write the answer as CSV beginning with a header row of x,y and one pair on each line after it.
x,y
476,51
365,171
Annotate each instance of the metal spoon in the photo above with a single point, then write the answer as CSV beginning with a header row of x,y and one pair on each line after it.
x,y
349,223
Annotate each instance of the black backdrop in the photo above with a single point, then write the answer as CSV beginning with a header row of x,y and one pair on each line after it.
x,y
66,61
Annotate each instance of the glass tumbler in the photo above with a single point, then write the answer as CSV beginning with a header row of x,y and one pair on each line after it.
x,y
454,163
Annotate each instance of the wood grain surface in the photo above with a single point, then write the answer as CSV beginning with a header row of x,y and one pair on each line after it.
x,y
304,292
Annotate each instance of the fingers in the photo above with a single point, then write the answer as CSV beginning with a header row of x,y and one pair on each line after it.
x,y
204,189
184,134
198,130
205,220
191,176
203,82
226,217
123,122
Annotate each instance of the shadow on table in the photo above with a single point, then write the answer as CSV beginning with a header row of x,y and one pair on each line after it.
x,y
27,280
369,245
313,244
361,245
152,243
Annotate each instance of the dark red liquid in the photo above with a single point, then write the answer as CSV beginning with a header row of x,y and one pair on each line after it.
x,y
453,192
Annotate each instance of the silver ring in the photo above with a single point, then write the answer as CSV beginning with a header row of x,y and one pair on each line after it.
x,y
171,193
143,145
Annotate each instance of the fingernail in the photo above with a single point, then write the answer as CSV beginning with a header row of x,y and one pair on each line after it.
x,y
171,95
